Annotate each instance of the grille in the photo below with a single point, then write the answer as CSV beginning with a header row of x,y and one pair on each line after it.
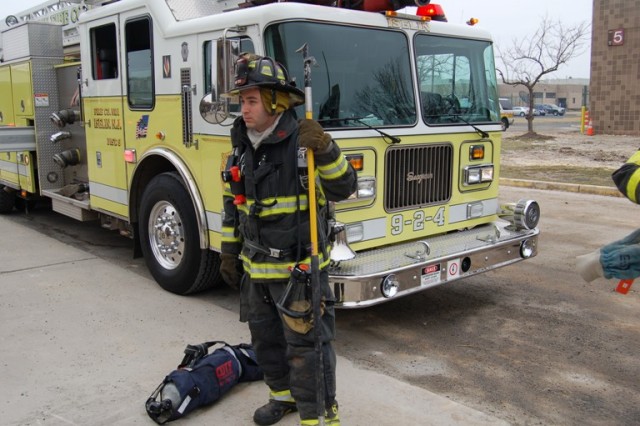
x,y
417,176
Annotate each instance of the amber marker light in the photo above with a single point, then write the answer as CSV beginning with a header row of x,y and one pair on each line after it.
x,y
356,161
472,21
476,152
160,136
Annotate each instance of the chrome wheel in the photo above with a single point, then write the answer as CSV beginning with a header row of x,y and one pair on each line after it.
x,y
166,235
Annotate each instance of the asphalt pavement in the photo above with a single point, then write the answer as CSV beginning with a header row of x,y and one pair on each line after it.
x,y
86,341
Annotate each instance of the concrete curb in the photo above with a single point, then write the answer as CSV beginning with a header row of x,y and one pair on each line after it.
x,y
567,187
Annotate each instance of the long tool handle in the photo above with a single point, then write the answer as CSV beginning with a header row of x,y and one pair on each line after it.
x,y
316,293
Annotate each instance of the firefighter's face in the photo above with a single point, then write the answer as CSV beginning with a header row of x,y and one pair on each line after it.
x,y
254,114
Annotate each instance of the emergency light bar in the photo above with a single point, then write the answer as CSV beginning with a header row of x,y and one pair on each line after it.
x,y
433,11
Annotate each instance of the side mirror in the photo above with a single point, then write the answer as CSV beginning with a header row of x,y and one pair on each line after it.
x,y
213,111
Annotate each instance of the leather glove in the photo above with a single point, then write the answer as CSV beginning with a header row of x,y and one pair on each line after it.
x,y
312,135
230,270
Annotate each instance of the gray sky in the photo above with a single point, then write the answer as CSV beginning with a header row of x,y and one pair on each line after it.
x,y
505,19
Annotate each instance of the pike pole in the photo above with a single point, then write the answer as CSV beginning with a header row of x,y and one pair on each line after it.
x,y
316,293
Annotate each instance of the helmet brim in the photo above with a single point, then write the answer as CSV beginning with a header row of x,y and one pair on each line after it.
x,y
296,96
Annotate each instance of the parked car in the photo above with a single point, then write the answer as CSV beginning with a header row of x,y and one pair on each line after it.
x,y
520,111
539,110
554,109
506,118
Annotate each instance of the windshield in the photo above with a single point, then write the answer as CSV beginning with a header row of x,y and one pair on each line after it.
x,y
362,77
457,80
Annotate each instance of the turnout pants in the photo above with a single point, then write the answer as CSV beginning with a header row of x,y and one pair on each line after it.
x,y
287,358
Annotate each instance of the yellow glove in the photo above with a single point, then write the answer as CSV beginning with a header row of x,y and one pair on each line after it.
x,y
312,136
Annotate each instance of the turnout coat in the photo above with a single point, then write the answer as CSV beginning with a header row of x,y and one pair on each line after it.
x,y
270,231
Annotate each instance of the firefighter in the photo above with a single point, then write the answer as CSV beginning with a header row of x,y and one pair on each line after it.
x,y
619,259
266,225
627,178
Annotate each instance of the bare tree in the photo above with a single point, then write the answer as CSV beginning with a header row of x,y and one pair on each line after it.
x,y
531,58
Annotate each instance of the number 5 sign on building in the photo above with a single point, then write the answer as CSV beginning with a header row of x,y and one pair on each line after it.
x,y
616,37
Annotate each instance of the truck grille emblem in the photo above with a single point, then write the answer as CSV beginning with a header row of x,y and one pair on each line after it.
x,y
411,177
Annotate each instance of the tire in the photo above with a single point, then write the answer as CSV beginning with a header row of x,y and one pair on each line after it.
x,y
505,123
169,238
25,205
7,200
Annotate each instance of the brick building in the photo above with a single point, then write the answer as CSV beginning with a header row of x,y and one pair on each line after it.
x,y
615,67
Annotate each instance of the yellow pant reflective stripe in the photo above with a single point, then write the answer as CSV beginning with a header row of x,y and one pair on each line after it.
x,y
334,170
283,205
632,185
282,396
327,422
275,271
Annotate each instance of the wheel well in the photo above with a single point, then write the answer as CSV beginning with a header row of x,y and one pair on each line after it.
x,y
147,170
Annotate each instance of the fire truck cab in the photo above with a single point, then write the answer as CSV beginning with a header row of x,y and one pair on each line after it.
x,y
112,110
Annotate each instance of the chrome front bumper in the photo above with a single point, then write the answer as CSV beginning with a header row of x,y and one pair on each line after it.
x,y
426,263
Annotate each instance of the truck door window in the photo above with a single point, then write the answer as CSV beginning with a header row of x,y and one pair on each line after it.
x,y
140,86
104,54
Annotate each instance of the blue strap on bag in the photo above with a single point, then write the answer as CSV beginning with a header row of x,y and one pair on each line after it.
x,y
201,379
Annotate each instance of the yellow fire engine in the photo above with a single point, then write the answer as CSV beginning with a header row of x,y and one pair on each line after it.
x,y
112,110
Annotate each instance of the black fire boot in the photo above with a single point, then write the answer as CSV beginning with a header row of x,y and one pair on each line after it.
x,y
272,412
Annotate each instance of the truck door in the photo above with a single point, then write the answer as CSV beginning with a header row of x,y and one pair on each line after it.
x,y
103,115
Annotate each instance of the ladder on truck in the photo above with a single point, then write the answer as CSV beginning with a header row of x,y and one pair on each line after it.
x,y
61,12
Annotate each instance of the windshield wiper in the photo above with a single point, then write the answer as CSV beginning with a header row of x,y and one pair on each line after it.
x,y
394,139
481,132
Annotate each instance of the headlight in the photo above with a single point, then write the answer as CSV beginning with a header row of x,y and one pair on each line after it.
x,y
478,174
366,189
390,285
527,248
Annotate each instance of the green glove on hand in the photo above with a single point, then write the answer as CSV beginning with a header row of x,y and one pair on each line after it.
x,y
632,238
312,135
620,261
230,269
